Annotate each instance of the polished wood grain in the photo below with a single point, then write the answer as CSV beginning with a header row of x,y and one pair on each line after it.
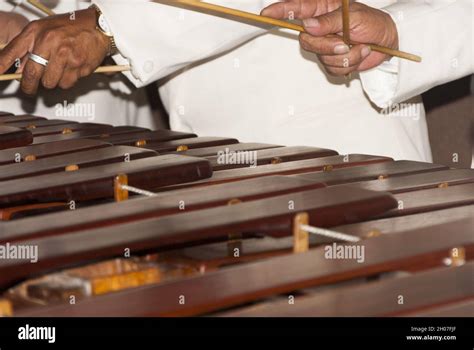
x,y
97,182
274,155
408,183
239,284
9,156
40,123
214,255
212,151
14,137
459,309
84,159
190,143
100,133
157,136
20,118
11,213
433,199
163,204
420,292
368,172
397,224
66,128
289,168
325,206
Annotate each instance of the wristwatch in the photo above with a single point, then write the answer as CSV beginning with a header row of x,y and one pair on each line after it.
x,y
104,28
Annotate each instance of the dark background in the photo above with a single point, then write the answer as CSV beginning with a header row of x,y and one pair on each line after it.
x,y
450,116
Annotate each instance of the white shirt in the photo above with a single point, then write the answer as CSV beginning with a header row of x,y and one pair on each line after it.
x,y
442,32
261,90
97,99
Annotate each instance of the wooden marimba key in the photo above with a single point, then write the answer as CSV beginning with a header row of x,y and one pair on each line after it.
x,y
218,232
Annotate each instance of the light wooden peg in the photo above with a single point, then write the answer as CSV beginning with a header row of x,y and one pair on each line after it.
x,y
120,193
71,168
457,256
30,158
140,143
182,148
6,308
300,236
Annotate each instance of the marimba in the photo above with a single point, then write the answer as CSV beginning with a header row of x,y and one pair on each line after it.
x,y
99,220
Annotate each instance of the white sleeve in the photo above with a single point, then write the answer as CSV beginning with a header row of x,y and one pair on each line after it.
x,y
158,39
441,32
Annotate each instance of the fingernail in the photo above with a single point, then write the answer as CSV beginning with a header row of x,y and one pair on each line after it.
x,y
341,49
311,23
366,51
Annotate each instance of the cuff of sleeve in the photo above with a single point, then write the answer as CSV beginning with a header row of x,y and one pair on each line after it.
x,y
137,78
386,83
411,78
380,83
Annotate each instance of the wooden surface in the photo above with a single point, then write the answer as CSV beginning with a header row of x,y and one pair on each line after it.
x,y
420,291
289,168
157,135
242,283
20,118
394,225
60,129
162,204
433,199
84,159
39,123
459,309
100,133
191,143
369,172
212,151
190,223
326,207
9,156
14,137
276,155
416,182
97,182
214,255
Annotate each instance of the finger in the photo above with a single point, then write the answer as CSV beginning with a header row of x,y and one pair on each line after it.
x,y
69,78
340,72
355,57
323,45
22,65
17,49
291,9
32,74
329,23
54,72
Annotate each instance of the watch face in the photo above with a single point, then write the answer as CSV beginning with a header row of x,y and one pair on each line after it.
x,y
104,26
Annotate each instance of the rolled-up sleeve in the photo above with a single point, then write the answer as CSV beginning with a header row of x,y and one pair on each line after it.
x,y
158,39
441,32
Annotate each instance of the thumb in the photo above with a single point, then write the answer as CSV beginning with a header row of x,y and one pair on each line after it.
x,y
16,49
276,10
330,23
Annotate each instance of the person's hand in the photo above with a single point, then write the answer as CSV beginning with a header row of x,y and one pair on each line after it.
x,y
300,9
367,25
12,24
71,43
